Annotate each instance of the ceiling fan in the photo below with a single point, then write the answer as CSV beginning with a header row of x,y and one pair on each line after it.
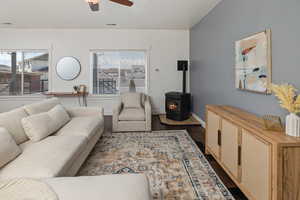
x,y
94,4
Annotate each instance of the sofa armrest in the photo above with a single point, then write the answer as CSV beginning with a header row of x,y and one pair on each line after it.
x,y
116,112
85,111
148,112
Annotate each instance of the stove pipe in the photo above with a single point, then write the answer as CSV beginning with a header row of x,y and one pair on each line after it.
x,y
182,65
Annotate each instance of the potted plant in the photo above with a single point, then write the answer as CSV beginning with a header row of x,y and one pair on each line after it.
x,y
286,93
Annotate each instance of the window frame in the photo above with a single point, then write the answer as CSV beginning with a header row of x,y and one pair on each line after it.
x,y
22,95
147,83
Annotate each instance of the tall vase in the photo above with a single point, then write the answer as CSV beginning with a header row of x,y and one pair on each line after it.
x,y
293,125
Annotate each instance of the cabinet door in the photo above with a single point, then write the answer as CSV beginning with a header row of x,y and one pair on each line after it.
x,y
256,167
212,138
229,147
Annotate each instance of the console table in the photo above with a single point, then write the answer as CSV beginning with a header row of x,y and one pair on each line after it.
x,y
79,95
264,164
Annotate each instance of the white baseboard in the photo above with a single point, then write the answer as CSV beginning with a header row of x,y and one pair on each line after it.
x,y
202,122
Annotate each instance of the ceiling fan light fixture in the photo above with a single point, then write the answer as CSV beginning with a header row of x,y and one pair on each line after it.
x,y
94,4
93,1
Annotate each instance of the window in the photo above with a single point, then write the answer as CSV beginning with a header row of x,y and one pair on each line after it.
x,y
23,72
114,70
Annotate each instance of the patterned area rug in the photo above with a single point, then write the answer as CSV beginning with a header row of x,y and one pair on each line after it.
x,y
175,166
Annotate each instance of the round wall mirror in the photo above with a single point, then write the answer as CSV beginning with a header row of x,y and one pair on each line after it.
x,y
68,68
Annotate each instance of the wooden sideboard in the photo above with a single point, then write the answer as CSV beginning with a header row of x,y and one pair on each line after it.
x,y
264,164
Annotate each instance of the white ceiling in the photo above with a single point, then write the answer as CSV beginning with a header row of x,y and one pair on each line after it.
x,y
144,14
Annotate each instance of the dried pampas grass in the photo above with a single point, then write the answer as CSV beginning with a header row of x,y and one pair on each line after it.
x,y
286,93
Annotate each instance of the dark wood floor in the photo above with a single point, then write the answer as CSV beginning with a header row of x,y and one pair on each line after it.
x,y
198,134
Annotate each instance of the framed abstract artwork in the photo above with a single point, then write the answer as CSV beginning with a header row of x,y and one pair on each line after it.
x,y
253,63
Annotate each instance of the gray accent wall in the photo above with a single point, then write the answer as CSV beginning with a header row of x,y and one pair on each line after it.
x,y
213,57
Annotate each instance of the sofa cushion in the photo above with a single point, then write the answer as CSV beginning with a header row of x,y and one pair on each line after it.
x,y
132,100
40,107
82,126
26,189
85,111
132,114
12,122
39,126
110,187
50,157
9,150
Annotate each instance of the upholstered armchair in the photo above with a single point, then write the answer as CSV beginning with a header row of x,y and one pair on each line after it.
x,y
132,113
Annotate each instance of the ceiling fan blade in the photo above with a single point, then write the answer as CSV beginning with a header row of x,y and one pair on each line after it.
x,y
123,2
94,6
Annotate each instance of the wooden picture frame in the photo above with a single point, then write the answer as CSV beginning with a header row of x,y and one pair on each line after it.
x,y
253,63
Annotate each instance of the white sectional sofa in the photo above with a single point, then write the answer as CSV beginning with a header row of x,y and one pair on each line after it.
x,y
60,154
57,157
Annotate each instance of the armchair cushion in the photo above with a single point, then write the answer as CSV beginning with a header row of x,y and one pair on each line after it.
x,y
132,114
132,100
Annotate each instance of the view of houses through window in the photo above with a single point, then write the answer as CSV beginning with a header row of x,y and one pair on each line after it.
x,y
26,72
113,71
23,72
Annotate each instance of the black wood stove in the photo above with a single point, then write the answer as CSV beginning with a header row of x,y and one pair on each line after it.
x,y
178,104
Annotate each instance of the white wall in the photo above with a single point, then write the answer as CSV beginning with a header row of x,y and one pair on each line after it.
x,y
164,48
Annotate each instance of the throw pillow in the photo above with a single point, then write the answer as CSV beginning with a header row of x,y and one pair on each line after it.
x,y
59,115
12,122
9,150
42,106
40,126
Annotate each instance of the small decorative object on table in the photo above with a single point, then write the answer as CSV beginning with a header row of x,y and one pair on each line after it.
x,y
76,89
288,100
82,89
81,92
272,123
